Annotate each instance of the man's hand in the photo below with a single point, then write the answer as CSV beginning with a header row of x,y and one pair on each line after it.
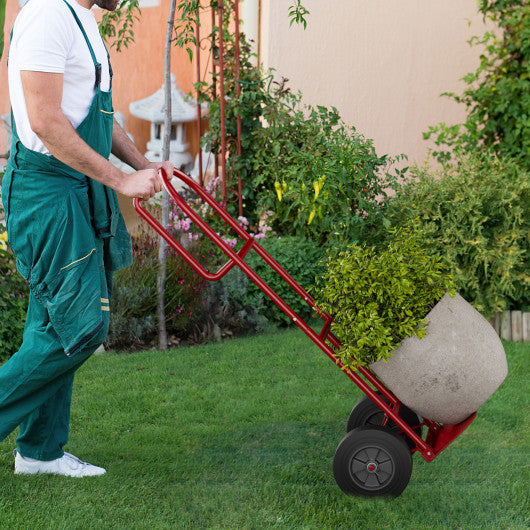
x,y
166,166
131,186
123,147
143,184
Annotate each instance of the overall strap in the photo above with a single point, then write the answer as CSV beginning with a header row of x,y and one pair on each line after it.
x,y
97,65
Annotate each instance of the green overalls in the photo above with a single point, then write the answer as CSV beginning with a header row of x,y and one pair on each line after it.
x,y
68,235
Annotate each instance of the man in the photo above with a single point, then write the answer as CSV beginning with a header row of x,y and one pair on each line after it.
x,y
63,220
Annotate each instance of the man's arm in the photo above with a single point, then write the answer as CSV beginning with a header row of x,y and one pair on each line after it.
x,y
43,95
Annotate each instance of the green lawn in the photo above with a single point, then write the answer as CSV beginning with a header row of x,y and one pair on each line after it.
x,y
241,434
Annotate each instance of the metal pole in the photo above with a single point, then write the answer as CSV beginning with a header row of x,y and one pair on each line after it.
x,y
238,94
214,85
198,78
220,10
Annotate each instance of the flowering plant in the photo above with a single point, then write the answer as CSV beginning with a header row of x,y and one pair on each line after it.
x,y
3,240
322,179
134,303
180,225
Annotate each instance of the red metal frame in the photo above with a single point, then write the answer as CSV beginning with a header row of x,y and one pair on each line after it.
x,y
438,436
220,76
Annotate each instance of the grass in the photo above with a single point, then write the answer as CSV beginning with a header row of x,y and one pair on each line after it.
x,y
241,434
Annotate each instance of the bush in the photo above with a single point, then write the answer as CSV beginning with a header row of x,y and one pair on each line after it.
x,y
237,305
379,297
321,178
14,296
133,318
300,257
475,215
232,307
318,177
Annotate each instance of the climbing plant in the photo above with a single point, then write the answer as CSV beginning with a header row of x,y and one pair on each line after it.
x,y
189,15
497,95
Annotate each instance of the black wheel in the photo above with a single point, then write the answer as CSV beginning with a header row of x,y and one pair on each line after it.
x,y
366,412
372,460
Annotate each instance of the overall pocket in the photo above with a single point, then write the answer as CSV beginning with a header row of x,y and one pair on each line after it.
x,y
65,273
73,301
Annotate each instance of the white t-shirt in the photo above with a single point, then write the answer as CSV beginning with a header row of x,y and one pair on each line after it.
x,y
46,38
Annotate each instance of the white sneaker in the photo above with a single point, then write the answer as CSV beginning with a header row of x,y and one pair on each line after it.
x,y
68,465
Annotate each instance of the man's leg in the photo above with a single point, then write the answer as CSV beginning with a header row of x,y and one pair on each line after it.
x,y
34,375
36,385
43,434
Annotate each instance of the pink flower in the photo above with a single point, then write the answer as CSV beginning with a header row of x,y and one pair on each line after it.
x,y
230,242
243,221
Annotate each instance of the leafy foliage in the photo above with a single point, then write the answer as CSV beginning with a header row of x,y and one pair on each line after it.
x,y
321,178
475,215
302,167
233,307
300,257
378,297
282,149
2,20
185,29
497,97
117,25
254,95
297,13
14,296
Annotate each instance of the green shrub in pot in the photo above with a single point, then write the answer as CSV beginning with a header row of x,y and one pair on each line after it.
x,y
378,297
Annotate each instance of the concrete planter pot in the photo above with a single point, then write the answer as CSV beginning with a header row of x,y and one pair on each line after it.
x,y
453,370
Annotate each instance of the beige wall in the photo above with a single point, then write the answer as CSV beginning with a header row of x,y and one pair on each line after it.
x,y
382,63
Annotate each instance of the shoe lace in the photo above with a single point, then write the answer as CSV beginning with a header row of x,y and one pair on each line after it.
x,y
77,461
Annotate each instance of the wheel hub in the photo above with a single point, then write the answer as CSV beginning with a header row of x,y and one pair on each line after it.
x,y
371,467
